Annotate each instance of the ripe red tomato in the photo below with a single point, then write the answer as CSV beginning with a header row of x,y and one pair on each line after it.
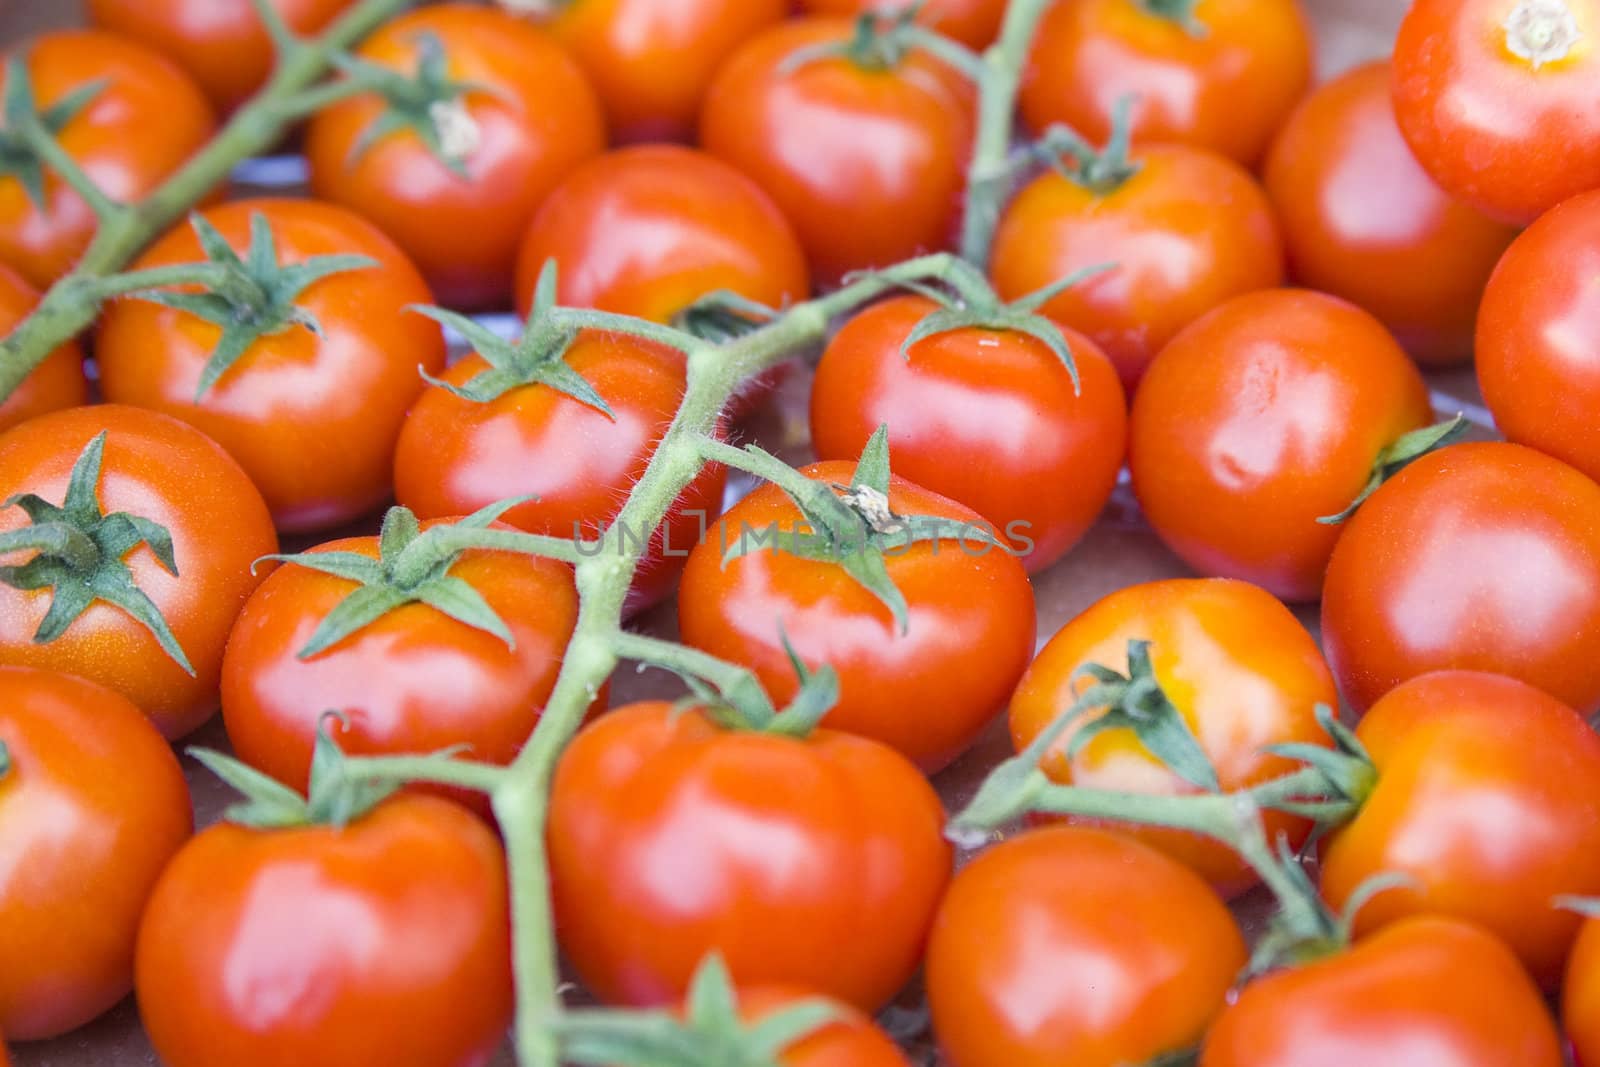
x,y
975,23
1224,83
928,691
145,121
312,419
532,122
387,941
1075,946
852,1040
92,806
815,861
1237,665
1362,220
1580,996
1494,97
56,383
1187,231
158,469
1275,405
1424,991
1499,572
869,164
985,417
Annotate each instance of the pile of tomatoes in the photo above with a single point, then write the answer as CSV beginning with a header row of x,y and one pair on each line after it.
x,y
1209,278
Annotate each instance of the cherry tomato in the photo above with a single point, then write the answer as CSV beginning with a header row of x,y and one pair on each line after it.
x,y
816,862
92,806
1425,991
869,164
852,1040
1362,220
56,383
312,419
1275,405
1187,231
1480,557
155,468
145,121
985,417
220,43
1236,664
975,23
927,691
531,122
1494,98
1224,83
1580,996
1075,946
386,941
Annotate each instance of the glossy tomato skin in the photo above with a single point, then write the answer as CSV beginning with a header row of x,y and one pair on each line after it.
x,y
1274,405
986,417
385,942
456,456
1482,556
541,121
1580,996
1226,90
313,420
853,1040
1426,992
92,808
147,119
1236,663
1362,220
1188,231
974,23
58,382
1069,945
653,863
869,165
927,692
1508,136
163,470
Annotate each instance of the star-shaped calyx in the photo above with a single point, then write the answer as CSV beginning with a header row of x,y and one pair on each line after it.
x,y
20,155
882,40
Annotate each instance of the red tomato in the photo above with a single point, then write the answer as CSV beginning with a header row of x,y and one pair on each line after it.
x,y
146,120
1074,946
975,23
1495,97
1478,557
852,1040
816,862
1363,220
1275,406
1186,232
313,420
869,164
1425,991
985,417
1225,83
534,120
56,383
92,806
386,942
158,469
1580,996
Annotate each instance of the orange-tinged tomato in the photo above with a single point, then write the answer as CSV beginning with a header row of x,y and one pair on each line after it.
x,y
975,23
1580,996
851,1040
56,383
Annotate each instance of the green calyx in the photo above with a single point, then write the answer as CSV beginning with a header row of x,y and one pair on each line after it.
x,y
1398,455
1305,929
1179,11
5,760
428,102
732,696
1101,171
1345,776
20,157
79,554
881,42
1135,701
722,316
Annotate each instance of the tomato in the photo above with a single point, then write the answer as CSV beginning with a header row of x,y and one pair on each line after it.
x,y
1494,95
1538,360
975,23
457,456
1275,405
1479,556
92,806
220,43
868,163
1186,231
387,941
145,121
1224,83
852,1040
1075,946
985,417
1580,997
313,420
1362,220
815,861
530,122
927,690
160,470
1425,991
56,383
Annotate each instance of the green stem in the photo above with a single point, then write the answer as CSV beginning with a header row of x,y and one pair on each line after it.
x,y
57,159
442,543
433,770
209,275
680,659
